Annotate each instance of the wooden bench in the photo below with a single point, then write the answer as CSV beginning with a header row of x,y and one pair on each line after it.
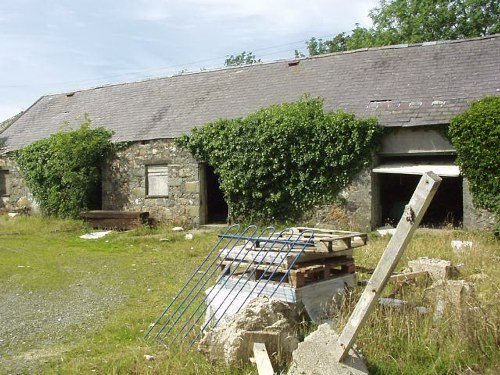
x,y
119,220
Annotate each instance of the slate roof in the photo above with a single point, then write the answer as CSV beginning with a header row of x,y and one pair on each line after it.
x,y
406,85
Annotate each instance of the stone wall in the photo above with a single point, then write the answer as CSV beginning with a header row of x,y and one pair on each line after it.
x,y
125,185
475,218
355,210
18,196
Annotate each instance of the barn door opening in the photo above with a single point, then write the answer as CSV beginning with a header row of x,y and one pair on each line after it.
x,y
446,208
217,209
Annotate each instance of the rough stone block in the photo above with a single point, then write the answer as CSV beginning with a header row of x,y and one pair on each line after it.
x,y
271,322
137,193
193,211
192,187
175,182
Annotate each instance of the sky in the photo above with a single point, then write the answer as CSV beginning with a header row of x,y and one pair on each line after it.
x,y
55,46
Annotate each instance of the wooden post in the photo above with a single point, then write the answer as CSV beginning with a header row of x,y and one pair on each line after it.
x,y
409,222
264,366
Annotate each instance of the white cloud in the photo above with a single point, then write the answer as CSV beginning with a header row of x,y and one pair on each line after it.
x,y
56,46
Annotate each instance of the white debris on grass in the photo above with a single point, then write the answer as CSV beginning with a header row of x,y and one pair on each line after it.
x,y
189,236
177,229
12,214
386,230
460,246
392,302
95,235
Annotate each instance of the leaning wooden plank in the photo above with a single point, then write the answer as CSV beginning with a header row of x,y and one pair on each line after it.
x,y
264,366
409,222
402,277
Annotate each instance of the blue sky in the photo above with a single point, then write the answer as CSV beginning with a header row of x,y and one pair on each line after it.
x,y
54,46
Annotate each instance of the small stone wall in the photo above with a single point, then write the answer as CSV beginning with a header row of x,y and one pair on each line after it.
x,y
124,182
475,218
355,209
18,196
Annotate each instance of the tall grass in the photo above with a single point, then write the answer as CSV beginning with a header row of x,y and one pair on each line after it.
x,y
405,341
140,274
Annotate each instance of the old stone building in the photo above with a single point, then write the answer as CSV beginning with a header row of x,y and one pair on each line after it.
x,y
414,91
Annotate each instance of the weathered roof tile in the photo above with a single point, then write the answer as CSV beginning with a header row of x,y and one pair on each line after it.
x,y
412,85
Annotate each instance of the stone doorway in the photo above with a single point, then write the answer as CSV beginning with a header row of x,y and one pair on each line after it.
x,y
215,205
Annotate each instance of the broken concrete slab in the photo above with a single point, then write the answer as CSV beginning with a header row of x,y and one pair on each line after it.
x,y
438,269
271,322
455,295
314,356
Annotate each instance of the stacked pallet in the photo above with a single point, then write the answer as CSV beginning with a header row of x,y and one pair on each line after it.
x,y
302,257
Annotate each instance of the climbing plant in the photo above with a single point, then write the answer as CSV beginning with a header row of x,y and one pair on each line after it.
x,y
63,171
475,134
284,159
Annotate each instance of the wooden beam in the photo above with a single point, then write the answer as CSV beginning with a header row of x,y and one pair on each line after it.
x,y
402,277
264,366
409,222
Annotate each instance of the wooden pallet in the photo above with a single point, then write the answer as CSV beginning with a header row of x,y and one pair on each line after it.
x,y
297,277
334,240
328,254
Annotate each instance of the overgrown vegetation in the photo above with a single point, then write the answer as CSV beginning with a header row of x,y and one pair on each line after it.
x,y
405,341
282,160
63,171
415,21
88,303
476,136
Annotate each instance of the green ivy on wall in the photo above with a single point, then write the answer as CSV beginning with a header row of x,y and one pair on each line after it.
x,y
282,160
475,134
63,171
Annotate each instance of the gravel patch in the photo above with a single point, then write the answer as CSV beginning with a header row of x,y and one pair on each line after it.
x,y
36,327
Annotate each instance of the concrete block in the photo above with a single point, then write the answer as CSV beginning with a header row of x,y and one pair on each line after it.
x,y
314,356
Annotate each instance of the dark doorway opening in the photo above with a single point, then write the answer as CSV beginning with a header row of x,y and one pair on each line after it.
x,y
217,209
446,207
96,194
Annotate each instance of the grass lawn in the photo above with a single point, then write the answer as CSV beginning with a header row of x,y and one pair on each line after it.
x,y
71,306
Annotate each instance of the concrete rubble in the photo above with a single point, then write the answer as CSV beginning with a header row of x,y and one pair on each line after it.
x,y
314,356
271,322
438,269
456,295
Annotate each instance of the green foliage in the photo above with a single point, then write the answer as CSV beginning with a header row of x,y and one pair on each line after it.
x,y
284,159
244,58
63,171
476,137
416,21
